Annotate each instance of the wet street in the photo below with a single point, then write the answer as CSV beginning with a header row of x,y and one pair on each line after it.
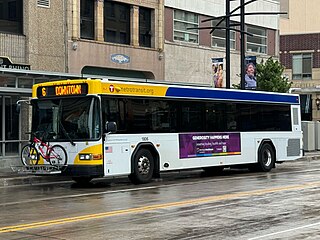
x,y
238,204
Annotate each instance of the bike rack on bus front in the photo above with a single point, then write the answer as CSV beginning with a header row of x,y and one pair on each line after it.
x,y
38,169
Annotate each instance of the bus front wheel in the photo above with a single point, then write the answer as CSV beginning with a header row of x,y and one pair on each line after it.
x,y
266,158
143,166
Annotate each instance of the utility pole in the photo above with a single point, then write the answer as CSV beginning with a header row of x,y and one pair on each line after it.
x,y
242,43
227,44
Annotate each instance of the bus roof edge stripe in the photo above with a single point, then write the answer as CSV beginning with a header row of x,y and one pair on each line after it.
x,y
232,95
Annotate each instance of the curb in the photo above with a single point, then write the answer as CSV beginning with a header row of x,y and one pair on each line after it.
x,y
14,180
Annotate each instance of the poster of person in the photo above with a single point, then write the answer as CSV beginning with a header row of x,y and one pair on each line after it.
x,y
217,71
250,73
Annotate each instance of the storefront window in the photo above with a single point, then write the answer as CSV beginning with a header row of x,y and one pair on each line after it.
x,y
12,148
7,82
25,83
12,117
40,80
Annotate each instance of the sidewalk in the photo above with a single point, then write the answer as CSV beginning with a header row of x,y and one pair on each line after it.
x,y
10,178
313,155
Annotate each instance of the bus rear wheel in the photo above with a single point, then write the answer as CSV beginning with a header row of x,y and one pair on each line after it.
x,y
143,166
266,158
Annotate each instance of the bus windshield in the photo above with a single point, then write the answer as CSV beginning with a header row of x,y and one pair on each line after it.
x,y
67,119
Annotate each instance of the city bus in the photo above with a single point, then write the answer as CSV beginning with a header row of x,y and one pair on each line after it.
x,y
141,129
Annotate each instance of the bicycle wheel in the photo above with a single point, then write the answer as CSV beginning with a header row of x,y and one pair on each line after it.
x,y
58,156
29,155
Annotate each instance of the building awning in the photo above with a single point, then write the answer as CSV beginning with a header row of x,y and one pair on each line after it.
x,y
38,74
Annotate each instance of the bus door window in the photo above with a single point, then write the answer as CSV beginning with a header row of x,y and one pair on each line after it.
x,y
90,120
114,110
96,119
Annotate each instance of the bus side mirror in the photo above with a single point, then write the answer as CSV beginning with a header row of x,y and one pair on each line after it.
x,y
111,127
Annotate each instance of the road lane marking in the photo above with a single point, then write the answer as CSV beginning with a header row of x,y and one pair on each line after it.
x,y
195,201
285,231
215,180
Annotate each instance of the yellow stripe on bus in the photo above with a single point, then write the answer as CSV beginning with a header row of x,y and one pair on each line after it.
x,y
134,89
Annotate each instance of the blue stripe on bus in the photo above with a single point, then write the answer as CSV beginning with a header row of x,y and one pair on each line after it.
x,y
231,95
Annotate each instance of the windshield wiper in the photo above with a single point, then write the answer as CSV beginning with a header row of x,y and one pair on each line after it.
x,y
66,133
62,127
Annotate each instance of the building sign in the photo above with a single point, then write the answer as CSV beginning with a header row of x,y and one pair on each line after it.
x,y
120,58
5,62
62,90
193,145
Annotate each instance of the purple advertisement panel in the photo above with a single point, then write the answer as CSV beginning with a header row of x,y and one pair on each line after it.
x,y
209,144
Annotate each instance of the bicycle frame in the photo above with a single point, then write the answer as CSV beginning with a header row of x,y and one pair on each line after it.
x,y
40,146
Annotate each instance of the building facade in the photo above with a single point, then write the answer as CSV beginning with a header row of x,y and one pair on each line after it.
x,y
46,40
118,38
189,52
300,52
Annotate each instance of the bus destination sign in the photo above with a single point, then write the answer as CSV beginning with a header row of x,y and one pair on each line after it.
x,y
62,90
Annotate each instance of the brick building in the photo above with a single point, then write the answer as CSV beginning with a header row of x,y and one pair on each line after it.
x,y
300,52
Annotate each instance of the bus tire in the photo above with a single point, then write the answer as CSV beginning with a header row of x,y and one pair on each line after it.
x,y
266,158
143,166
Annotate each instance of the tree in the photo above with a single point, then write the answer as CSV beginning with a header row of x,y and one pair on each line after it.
x,y
270,77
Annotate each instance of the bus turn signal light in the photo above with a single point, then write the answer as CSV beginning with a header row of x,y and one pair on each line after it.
x,y
96,156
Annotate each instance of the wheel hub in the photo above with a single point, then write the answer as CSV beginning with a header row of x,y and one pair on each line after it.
x,y
144,165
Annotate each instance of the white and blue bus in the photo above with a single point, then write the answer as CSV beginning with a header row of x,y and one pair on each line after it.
x,y
142,129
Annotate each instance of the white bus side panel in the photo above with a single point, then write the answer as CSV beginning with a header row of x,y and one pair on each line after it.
x,y
119,149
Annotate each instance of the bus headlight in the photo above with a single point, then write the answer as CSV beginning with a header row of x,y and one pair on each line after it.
x,y
85,156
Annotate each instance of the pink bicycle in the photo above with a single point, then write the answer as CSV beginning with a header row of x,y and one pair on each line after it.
x,y
56,155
